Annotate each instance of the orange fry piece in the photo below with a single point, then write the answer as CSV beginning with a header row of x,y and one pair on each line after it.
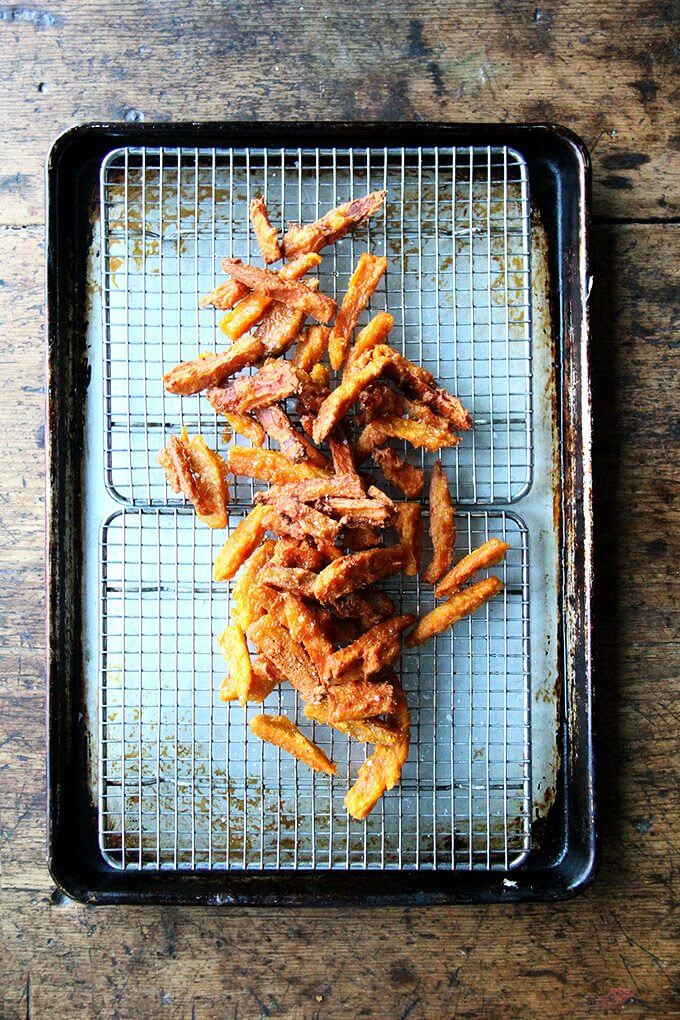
x,y
331,227
347,573
298,552
370,653
288,292
270,466
416,433
267,236
278,730
314,489
382,770
363,282
244,425
243,610
232,641
212,369
337,403
287,656
252,307
311,347
409,527
241,543
200,473
225,295
363,537
264,680
442,525
405,476
462,604
276,380
296,580
304,624
374,332
487,555
357,699
293,443
367,731
320,376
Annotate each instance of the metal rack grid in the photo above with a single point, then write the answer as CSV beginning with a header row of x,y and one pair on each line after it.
x,y
184,785
455,229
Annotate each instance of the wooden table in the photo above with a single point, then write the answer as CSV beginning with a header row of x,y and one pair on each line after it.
x,y
605,70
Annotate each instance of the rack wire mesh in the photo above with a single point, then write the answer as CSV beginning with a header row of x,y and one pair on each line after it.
x,y
181,785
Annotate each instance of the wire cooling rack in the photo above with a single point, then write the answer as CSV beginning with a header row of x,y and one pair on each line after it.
x,y
181,782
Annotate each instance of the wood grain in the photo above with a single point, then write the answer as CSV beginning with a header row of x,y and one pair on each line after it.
x,y
606,70
611,951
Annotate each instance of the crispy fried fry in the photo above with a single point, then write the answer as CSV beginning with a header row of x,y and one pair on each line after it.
x,y
267,236
337,403
414,432
264,680
363,537
363,282
373,651
442,525
278,730
232,641
246,426
405,476
487,555
282,525
304,624
354,513
241,543
287,656
296,580
293,444
343,461
276,380
288,292
212,369
313,489
374,333
243,610
409,527
253,306
201,474
225,295
382,770
313,522
463,603
331,227
367,731
355,571
311,347
357,699
270,466
298,552
320,376
380,400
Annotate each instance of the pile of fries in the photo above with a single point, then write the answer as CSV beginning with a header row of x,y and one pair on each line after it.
x,y
307,609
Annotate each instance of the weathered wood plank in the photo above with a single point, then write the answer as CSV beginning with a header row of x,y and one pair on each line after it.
x,y
607,70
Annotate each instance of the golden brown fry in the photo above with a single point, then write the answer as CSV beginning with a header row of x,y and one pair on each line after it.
x,y
363,282
405,476
320,376
487,555
270,466
293,443
344,462
382,770
337,403
246,426
252,307
304,624
462,604
374,333
201,474
363,537
298,552
241,543
373,651
276,380
278,730
225,295
287,656
409,527
357,699
442,525
264,680
414,432
357,513
368,608
232,641
314,489
267,236
295,580
348,573
282,525
367,731
243,610
318,525
311,347
287,292
331,227
212,369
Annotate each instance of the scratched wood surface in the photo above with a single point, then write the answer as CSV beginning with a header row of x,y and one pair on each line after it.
x,y
606,70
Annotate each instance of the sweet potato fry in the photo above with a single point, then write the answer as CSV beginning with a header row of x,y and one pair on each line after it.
x,y
416,433
287,656
337,403
267,236
442,525
311,347
405,476
293,444
244,425
278,730
313,522
368,608
344,462
357,699
373,651
212,369
241,543
282,525
200,474
276,380
313,489
380,400
264,680
243,611
353,513
225,295
298,552
252,307
363,282
287,292
382,770
320,376
348,573
304,624
462,604
374,332
270,466
331,227
487,555
409,527
295,580
367,731
232,641
363,537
